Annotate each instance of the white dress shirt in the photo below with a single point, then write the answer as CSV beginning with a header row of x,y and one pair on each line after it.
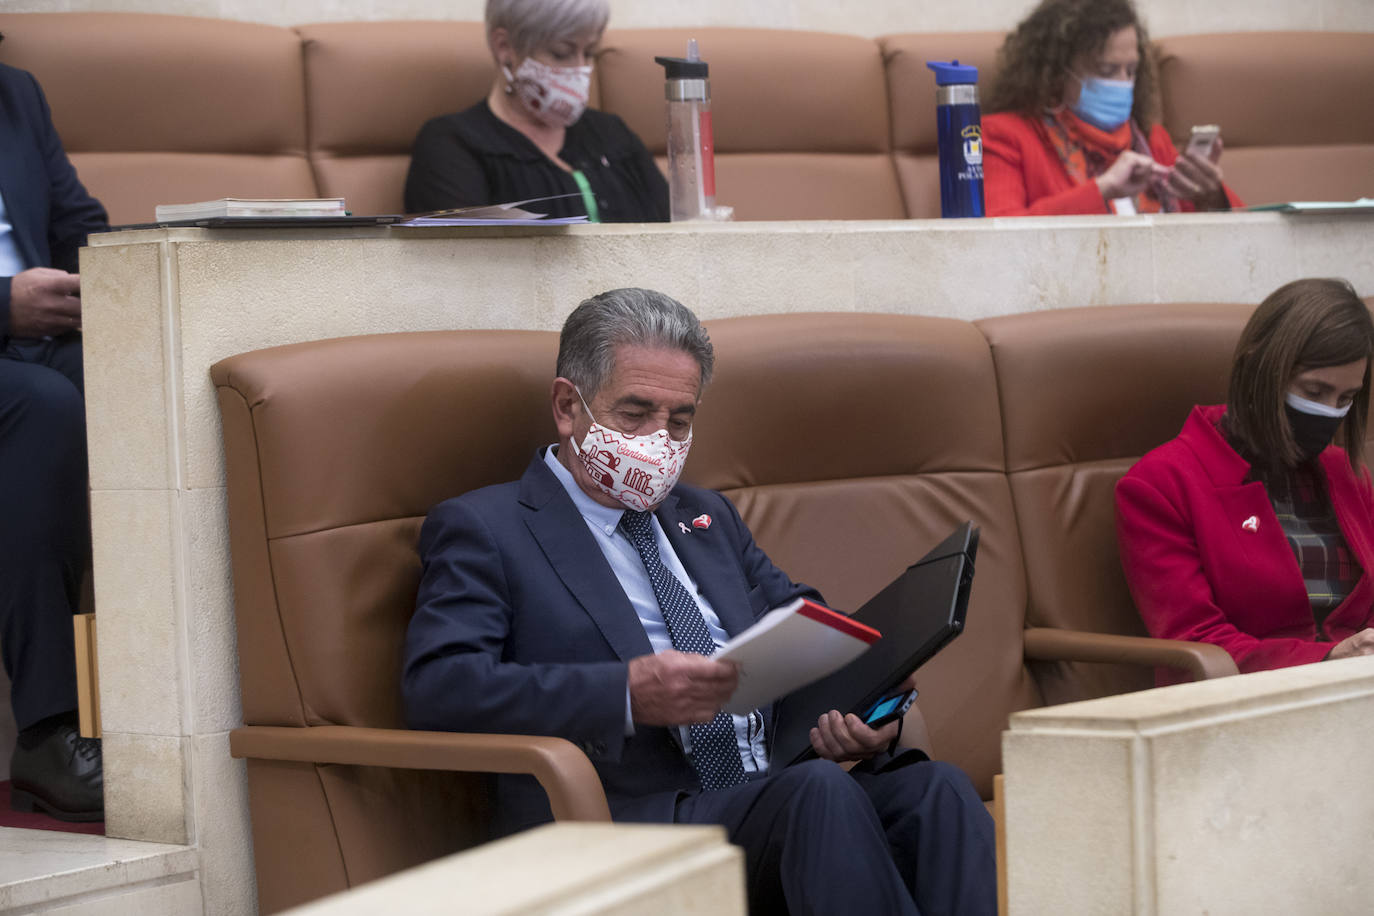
x,y
10,262
620,553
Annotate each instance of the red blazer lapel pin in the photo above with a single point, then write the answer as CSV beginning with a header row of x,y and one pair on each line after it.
x,y
701,521
1251,524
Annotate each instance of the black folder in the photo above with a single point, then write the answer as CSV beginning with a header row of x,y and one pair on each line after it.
x,y
918,614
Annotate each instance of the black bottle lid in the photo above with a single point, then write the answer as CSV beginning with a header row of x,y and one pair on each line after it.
x,y
680,68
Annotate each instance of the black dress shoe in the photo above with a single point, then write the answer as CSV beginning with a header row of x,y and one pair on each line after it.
x,y
62,775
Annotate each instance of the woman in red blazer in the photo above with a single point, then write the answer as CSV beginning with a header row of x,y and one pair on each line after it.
x,y
1250,530
1070,130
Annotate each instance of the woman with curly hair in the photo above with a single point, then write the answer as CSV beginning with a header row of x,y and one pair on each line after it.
x,y
1070,128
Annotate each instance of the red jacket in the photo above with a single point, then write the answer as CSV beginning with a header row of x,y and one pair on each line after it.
x,y
1198,572
1022,174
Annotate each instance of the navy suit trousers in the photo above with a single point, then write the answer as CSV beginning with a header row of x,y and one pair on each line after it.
x,y
45,535
908,837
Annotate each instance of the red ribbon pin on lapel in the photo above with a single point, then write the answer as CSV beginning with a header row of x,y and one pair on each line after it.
x,y
701,521
1251,524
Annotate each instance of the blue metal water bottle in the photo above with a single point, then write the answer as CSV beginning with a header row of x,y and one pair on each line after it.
x,y
960,138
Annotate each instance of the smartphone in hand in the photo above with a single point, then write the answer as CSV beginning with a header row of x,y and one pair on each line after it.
x,y
1201,139
890,707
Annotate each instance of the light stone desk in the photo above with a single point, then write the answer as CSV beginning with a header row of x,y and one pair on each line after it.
x,y
162,305
565,870
1244,794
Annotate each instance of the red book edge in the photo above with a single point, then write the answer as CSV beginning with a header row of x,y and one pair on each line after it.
x,y
845,625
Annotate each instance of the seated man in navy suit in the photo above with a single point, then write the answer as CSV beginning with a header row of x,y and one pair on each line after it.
x,y
45,216
582,602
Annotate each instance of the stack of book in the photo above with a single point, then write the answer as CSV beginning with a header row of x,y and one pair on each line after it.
x,y
230,207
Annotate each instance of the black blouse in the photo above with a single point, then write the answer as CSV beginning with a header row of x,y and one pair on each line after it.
x,y
473,158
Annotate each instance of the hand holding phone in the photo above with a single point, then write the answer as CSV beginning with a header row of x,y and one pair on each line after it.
x,y
890,707
1201,139
1196,175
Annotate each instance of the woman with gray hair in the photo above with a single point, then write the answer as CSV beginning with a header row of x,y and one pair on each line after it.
x,y
533,135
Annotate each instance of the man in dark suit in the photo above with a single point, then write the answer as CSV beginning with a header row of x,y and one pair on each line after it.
x,y
45,216
585,600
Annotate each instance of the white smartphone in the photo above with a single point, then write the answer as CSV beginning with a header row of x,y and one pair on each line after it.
x,y
1201,139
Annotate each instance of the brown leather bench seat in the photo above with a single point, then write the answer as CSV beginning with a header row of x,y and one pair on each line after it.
x,y
336,449
809,125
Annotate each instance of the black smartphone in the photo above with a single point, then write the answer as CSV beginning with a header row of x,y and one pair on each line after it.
x,y
888,708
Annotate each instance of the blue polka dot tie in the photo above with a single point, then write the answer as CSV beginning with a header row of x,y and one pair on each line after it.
x,y
715,751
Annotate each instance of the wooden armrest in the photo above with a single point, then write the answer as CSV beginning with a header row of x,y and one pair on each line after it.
x,y
1201,660
564,772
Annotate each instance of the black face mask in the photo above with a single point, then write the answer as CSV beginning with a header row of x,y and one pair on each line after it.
x,y
1311,432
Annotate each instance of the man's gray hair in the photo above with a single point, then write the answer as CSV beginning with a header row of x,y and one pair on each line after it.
x,y
586,348
536,24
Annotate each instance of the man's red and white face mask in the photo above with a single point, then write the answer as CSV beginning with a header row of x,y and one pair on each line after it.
x,y
635,471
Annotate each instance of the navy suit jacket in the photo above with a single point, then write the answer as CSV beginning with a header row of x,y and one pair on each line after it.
x,y
49,209
521,627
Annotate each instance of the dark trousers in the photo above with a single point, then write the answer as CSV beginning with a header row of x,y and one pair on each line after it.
x,y
907,837
45,526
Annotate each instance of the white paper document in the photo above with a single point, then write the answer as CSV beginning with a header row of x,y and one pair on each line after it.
x,y
1363,205
789,648
507,214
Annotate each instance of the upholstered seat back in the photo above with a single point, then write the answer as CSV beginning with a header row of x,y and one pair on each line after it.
x,y
335,452
169,109
336,449
808,125
852,444
1084,393
1293,107
911,93
800,118
371,87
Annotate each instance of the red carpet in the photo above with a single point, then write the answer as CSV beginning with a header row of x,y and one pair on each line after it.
x,y
38,820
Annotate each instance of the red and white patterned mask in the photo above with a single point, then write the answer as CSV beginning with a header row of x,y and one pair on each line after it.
x,y
635,471
557,96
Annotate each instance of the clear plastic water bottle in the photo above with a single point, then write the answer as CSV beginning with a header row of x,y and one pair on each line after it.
x,y
960,138
691,145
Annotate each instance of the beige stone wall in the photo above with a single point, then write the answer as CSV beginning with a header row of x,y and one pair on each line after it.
x,y
161,306
566,870
869,17
1240,795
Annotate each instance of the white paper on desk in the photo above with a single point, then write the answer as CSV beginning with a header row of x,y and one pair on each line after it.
x,y
1363,205
510,213
468,221
789,648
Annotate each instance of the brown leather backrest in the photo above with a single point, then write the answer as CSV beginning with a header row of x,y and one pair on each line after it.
x,y
335,451
1294,109
911,93
1084,393
800,118
370,86
169,109
854,443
